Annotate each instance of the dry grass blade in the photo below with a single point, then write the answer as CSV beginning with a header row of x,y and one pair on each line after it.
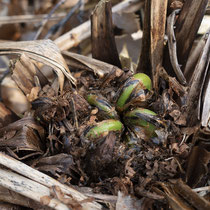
x,y
45,180
99,68
29,18
82,32
44,51
200,189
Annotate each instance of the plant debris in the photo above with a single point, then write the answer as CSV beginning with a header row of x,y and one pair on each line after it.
x,y
107,132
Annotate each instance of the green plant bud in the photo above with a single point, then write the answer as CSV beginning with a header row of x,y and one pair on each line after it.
x,y
138,97
131,91
143,118
106,110
102,129
146,81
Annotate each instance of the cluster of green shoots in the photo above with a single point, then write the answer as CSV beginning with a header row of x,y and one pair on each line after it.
x,y
128,116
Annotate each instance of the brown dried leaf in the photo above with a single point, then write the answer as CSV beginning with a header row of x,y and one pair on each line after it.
x,y
173,83
23,72
61,163
22,135
13,97
44,51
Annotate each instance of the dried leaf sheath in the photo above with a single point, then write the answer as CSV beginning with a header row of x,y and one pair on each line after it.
x,y
153,39
44,51
197,80
103,42
187,26
23,135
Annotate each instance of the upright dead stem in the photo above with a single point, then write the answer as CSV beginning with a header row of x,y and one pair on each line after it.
x,y
102,35
196,83
152,50
187,26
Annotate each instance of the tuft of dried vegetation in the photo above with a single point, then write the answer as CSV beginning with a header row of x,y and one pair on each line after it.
x,y
105,104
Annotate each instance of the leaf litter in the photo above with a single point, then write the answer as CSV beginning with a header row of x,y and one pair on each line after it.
x,y
140,174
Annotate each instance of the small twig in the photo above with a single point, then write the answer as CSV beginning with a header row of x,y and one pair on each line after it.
x,y
172,47
57,26
29,18
179,166
183,139
45,20
44,181
170,158
200,189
